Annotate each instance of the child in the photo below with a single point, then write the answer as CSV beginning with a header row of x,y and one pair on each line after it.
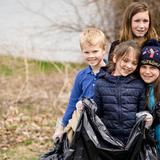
x,y
150,73
136,25
93,46
118,94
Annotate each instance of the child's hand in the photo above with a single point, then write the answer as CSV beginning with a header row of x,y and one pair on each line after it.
x,y
148,118
59,130
58,133
79,106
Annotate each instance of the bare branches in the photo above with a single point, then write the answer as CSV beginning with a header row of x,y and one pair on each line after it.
x,y
74,16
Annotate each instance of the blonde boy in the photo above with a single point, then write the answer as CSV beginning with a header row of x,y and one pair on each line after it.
x,y
93,46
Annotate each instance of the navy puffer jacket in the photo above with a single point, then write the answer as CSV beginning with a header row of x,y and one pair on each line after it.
x,y
118,100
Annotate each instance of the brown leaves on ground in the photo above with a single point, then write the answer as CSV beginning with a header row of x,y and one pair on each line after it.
x,y
30,106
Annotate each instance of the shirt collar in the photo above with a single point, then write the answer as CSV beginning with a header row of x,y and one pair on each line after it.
x,y
89,68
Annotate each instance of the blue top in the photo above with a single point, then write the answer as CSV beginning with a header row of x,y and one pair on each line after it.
x,y
83,87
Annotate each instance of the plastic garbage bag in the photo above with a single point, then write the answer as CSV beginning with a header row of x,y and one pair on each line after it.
x,y
148,153
92,140
58,151
96,143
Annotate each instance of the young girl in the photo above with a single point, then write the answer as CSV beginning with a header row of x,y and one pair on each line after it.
x,y
136,25
150,73
118,94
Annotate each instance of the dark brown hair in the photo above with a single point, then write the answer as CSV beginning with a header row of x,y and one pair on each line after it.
x,y
121,50
156,91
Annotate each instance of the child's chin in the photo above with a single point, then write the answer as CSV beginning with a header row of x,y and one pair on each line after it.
x,y
147,81
125,74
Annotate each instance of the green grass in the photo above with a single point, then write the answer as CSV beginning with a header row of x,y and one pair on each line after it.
x,y
45,66
6,70
13,66
49,66
28,142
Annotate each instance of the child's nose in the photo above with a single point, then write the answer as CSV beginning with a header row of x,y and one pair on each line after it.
x,y
91,55
147,71
141,24
129,65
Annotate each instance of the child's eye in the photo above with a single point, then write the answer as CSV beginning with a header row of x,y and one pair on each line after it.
x,y
135,63
125,60
146,20
86,52
143,67
95,51
137,20
152,67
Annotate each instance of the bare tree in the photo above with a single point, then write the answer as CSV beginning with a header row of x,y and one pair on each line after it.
x,y
76,15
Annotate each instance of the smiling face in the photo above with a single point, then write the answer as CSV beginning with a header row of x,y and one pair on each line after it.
x,y
126,64
149,73
140,24
94,55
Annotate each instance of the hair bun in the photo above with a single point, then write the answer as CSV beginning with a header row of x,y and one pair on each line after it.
x,y
151,42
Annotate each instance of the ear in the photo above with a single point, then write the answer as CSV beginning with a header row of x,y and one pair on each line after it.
x,y
114,59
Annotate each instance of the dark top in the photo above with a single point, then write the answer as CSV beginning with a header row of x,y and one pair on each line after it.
x,y
118,100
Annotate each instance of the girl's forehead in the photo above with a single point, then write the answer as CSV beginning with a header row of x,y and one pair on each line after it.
x,y
149,66
141,14
131,54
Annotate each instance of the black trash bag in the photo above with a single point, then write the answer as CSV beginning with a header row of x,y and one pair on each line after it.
x,y
92,141
148,148
148,153
58,151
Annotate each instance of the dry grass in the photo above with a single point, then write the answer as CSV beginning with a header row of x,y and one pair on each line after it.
x,y
33,95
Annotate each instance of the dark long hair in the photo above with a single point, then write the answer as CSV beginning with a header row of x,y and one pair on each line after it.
x,y
121,50
156,91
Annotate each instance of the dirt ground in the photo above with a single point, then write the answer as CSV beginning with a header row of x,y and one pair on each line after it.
x,y
31,99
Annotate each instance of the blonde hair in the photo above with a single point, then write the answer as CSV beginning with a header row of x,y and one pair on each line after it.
x,y
122,50
93,36
131,10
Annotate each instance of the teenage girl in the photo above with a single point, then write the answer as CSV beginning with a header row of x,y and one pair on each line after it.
x,y
136,25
